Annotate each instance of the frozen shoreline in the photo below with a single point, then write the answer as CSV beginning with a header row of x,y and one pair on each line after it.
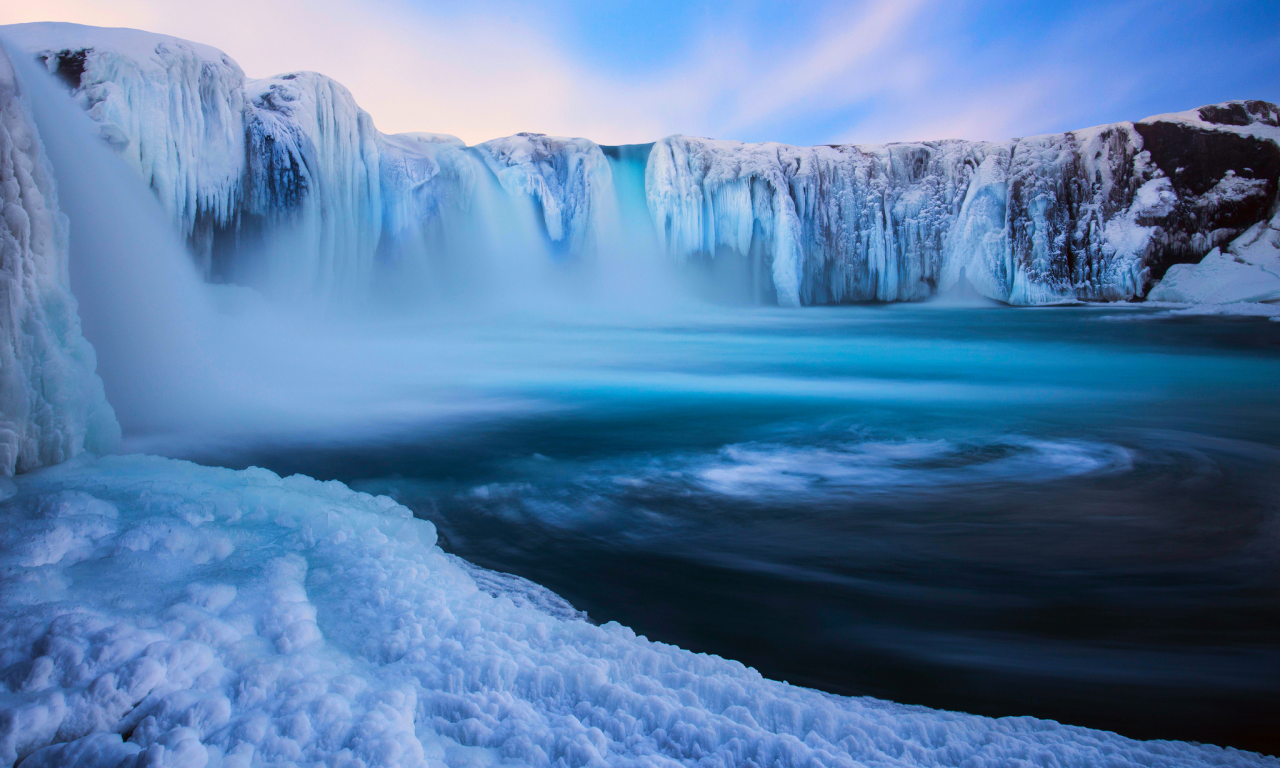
x,y
160,610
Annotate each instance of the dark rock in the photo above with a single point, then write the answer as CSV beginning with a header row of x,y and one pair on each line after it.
x,y
69,65
1196,161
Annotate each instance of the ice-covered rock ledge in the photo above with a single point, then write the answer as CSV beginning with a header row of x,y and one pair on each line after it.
x,y
155,612
1246,270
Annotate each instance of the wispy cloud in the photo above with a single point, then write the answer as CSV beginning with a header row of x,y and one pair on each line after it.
x,y
873,70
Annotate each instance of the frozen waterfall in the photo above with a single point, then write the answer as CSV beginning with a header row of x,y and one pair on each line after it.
x,y
285,184
52,404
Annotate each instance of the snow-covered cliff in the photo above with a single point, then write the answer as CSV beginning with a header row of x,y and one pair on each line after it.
x,y
1086,215
285,182
1245,268
52,405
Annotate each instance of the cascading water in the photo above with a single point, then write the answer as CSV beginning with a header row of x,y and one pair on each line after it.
x,y
142,305
181,357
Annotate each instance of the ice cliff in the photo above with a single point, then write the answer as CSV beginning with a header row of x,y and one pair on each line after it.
x,y
1087,215
52,405
285,182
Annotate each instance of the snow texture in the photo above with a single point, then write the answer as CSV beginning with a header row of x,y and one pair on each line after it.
x,y
160,613
52,404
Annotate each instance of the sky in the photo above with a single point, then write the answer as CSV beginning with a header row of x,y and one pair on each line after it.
x,y
632,71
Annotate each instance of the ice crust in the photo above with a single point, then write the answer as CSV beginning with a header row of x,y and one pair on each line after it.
x,y
161,613
1091,215
52,404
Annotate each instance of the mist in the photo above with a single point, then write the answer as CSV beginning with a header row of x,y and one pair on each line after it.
x,y
452,318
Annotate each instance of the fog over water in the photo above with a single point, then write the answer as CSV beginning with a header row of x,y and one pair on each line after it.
x,y
1064,512
1069,513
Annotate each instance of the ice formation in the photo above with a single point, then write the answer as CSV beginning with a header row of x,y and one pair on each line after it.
x,y
570,179
285,181
1085,215
173,614
314,182
52,404
175,110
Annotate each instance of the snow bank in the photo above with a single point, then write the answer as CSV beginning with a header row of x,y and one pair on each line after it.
x,y
160,613
1246,270
52,405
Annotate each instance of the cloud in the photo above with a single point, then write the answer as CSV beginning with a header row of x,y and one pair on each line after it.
x,y
482,75
874,70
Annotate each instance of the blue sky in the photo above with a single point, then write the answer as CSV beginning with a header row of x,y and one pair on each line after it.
x,y
1094,62
754,70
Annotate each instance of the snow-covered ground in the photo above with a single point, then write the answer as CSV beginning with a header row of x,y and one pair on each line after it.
x,y
162,613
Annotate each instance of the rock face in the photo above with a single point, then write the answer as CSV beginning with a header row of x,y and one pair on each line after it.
x,y
1086,215
1223,163
52,405
285,182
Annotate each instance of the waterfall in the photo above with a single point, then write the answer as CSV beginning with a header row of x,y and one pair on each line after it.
x,y
142,304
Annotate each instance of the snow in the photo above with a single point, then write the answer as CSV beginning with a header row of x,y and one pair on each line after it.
x,y
52,404
1258,119
1247,270
160,613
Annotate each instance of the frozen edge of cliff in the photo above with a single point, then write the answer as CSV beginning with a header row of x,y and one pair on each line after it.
x,y
52,403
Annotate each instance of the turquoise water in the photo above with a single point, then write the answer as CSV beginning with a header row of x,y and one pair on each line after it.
x,y
1070,512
